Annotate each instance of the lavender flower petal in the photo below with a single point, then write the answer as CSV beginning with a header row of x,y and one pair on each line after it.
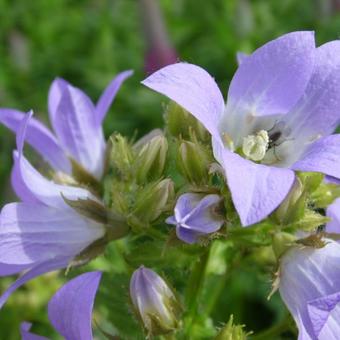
x,y
194,216
42,189
317,113
273,78
74,123
32,233
10,269
70,309
333,211
27,335
39,137
194,89
306,275
38,270
322,156
109,95
256,189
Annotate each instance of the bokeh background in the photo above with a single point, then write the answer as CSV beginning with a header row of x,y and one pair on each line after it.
x,y
89,41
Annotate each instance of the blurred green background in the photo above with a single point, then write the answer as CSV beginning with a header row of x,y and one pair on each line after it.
x,y
88,42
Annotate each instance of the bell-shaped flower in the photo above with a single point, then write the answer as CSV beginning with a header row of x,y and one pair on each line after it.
x,y
309,284
70,309
154,302
42,233
283,104
77,124
195,216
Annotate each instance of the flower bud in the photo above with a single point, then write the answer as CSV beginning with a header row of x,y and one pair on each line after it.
x,y
182,123
155,304
196,216
151,202
151,158
193,161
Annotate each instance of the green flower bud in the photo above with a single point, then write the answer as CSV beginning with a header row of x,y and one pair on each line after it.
x,y
121,156
232,332
181,123
293,207
151,202
151,158
281,242
193,161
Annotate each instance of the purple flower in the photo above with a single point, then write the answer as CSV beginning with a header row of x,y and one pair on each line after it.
x,y
70,309
154,302
283,104
77,124
310,284
42,233
195,216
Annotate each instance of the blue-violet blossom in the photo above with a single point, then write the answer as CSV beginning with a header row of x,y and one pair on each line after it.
x,y
283,104
195,216
309,284
70,309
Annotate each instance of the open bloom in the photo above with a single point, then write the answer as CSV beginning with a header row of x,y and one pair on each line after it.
x,y
77,124
42,233
154,302
283,104
195,216
310,285
70,309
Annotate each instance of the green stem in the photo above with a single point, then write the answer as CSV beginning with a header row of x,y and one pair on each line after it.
x,y
194,289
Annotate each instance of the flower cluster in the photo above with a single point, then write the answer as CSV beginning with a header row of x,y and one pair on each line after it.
x,y
255,177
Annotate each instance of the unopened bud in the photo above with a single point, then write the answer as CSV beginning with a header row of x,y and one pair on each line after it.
x,y
282,242
154,302
181,123
151,202
193,161
293,207
151,159
121,155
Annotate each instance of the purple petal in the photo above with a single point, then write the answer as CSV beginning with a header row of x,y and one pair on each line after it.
x,y
54,95
10,269
19,186
317,113
109,95
70,309
42,189
322,156
185,204
38,270
192,88
32,233
256,189
74,123
39,137
333,211
320,309
273,78
188,235
241,57
27,335
308,274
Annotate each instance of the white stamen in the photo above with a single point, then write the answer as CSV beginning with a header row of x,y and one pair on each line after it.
x,y
255,146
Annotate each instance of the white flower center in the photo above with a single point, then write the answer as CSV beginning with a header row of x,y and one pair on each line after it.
x,y
255,146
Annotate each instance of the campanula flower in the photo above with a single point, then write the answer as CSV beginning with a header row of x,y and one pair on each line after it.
x,y
283,104
77,124
195,216
70,309
154,302
42,233
309,284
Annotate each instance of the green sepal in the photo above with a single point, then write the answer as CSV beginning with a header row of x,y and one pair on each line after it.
x,y
232,332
